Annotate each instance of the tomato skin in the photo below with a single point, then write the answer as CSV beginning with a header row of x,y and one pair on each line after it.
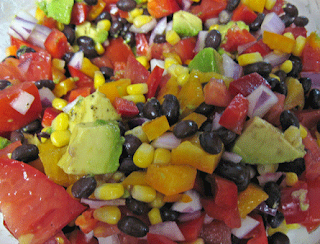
x,y
209,8
57,44
216,93
236,37
82,91
162,8
36,205
9,70
184,48
79,13
312,157
153,81
311,54
158,239
135,71
192,228
9,149
259,47
48,116
125,108
83,81
11,119
118,51
49,22
244,13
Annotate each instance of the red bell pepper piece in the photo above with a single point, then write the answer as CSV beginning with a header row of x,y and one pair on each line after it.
x,y
142,45
79,13
125,108
82,91
83,79
57,44
192,228
259,47
153,81
48,116
244,13
184,48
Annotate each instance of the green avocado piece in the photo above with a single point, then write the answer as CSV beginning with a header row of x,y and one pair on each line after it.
x,y
262,143
87,29
207,60
60,10
91,108
94,148
4,142
186,24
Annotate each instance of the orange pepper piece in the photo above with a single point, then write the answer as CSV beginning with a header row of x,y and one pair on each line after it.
x,y
278,42
156,127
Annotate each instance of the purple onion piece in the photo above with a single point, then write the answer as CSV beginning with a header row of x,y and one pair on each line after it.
x,y
315,78
263,207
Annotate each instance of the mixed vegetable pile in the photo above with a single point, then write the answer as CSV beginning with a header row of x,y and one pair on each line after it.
x,y
160,121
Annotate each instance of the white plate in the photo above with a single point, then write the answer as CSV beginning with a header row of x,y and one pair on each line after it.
x,y
309,8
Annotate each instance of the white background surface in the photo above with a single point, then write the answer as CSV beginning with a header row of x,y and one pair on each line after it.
x,y
9,7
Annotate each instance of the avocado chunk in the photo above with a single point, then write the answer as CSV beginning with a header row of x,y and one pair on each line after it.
x,y
94,148
207,60
60,10
87,29
262,143
91,108
186,24
4,142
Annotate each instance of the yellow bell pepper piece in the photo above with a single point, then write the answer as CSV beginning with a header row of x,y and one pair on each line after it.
x,y
64,87
88,68
295,96
135,178
156,127
257,5
115,89
278,42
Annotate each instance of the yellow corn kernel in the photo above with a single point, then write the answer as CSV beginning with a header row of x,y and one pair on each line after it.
x,y
141,20
135,98
109,191
289,35
214,27
158,201
270,4
183,78
60,26
88,68
299,46
286,66
162,156
99,48
108,214
249,58
60,138
98,79
137,89
291,178
303,131
134,13
143,157
143,193
170,61
138,132
63,87
59,103
275,76
172,37
104,24
155,216
144,61
61,122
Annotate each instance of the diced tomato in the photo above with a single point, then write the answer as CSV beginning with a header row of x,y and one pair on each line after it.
x,y
273,115
236,37
158,239
10,118
142,45
9,70
314,199
83,79
312,157
119,70
311,54
58,238
247,84
184,48
162,8
258,235
102,61
244,13
192,228
86,221
153,81
216,232
57,44
209,8
308,118
118,51
79,13
259,47
78,237
296,31
49,22
18,43
125,108
158,49
82,91
135,71
9,149
48,116
32,204
216,93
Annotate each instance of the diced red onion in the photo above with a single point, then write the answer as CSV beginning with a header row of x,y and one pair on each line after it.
x,y
145,28
260,101
200,44
230,67
137,121
168,229
94,204
207,219
167,140
272,23
76,60
188,207
189,216
247,225
39,35
186,4
69,106
215,121
22,25
230,156
156,62
244,47
23,102
210,22
159,29
275,59
263,179
114,239
46,97
315,78
89,236
263,207
24,66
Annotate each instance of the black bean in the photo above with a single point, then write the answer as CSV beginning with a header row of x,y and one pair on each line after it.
x,y
86,44
140,107
131,144
256,24
115,29
171,108
25,153
281,74
67,57
69,32
102,16
287,118
137,207
313,99
24,49
125,29
127,166
291,10
287,19
262,68
45,83
185,128
232,4
152,109
4,84
301,21
126,5
32,127
123,127
297,166
133,226
227,136
168,215
306,83
224,17
91,2
205,109
273,190
159,39
273,82
16,135
239,173
206,126
129,38
281,88
84,187
213,39
275,221
296,66
107,72
211,142
278,238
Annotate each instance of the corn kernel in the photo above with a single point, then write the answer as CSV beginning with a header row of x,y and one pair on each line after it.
x,y
108,214
174,56
158,201
214,27
137,89
289,35
138,132
60,138
143,193
143,157
155,216
98,79
135,98
60,26
59,103
170,61
162,156
299,46
61,122
270,4
109,191
99,48
144,61
172,37
25,239
104,24
141,20
134,13
303,131
286,66
196,1
291,178
249,58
